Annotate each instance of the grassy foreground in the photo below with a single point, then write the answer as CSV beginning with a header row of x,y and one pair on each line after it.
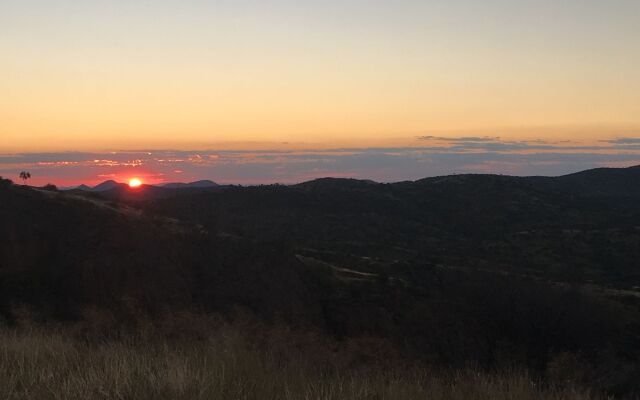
x,y
51,363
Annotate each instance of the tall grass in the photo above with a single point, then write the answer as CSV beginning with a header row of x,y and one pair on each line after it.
x,y
52,363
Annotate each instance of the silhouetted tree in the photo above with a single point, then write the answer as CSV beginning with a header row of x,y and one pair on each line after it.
x,y
25,175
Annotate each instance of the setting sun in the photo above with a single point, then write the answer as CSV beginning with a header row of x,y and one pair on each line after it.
x,y
134,182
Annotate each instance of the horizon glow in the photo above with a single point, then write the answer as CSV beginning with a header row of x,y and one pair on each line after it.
x,y
431,156
99,76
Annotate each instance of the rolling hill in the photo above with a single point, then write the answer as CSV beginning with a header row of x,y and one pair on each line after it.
x,y
452,271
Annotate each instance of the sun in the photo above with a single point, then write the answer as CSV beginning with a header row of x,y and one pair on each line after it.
x,y
134,182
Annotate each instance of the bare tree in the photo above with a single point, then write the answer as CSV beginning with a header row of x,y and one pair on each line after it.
x,y
25,175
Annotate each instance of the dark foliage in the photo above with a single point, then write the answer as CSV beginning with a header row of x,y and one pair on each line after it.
x,y
492,271
4,183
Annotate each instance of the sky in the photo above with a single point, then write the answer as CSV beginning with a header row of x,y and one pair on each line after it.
x,y
235,78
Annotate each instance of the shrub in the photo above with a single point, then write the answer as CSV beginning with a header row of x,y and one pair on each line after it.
x,y
4,183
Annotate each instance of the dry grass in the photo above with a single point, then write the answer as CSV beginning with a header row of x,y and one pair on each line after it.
x,y
38,363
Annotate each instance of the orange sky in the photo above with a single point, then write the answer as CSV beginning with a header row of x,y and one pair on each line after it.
x,y
101,75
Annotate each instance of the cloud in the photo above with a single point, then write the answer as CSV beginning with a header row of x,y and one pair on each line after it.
x,y
441,156
623,141
488,143
482,139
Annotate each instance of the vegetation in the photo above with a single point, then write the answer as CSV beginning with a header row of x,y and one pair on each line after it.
x,y
5,182
24,175
353,289
227,364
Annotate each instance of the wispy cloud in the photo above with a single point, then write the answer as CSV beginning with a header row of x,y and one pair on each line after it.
x,y
623,141
436,156
481,139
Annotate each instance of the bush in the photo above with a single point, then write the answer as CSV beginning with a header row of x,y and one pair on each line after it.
x,y
4,183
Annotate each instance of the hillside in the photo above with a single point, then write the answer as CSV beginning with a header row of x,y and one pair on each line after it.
x,y
482,270
576,228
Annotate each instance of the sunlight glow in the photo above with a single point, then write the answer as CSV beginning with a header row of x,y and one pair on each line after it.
x,y
135,182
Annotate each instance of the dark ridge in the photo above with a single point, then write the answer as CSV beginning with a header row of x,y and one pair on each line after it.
x,y
197,184
107,185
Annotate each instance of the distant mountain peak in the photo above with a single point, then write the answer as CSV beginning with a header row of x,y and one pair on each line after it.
x,y
205,183
106,185
111,184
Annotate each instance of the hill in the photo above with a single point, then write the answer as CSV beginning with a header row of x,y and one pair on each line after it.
x,y
449,271
576,228
63,251
196,184
107,185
